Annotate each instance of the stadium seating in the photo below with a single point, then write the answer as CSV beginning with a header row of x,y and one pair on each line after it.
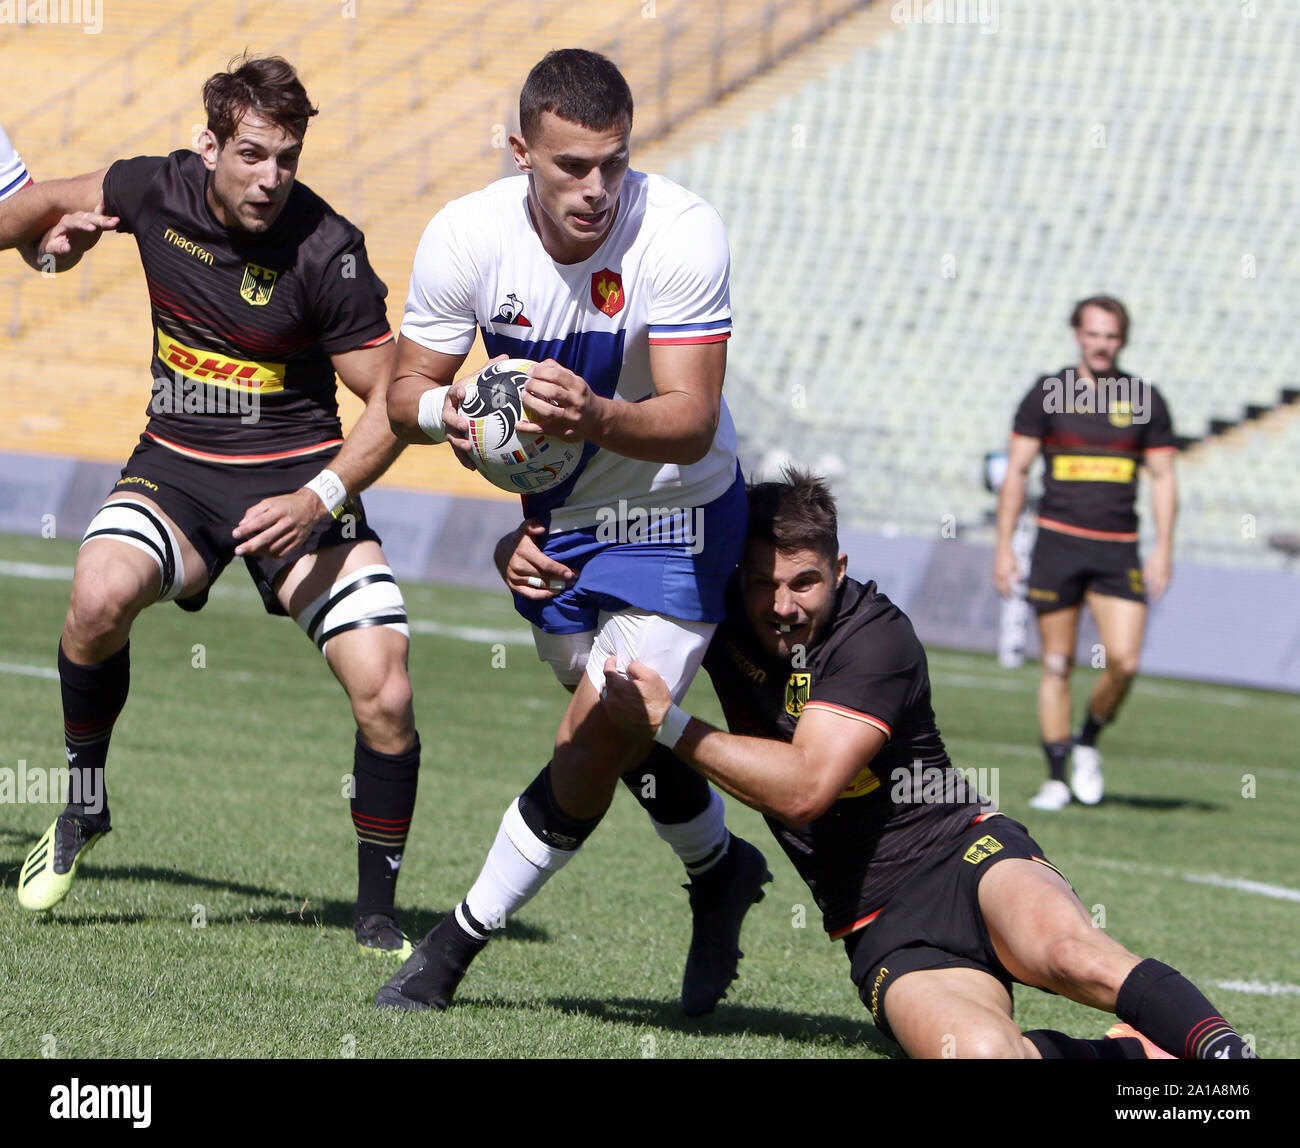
x,y
913,208
911,228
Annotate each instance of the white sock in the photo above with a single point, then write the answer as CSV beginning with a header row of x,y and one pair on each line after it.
x,y
699,843
517,866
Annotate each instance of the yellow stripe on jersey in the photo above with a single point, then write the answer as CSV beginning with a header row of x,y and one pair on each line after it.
x,y
1092,468
220,370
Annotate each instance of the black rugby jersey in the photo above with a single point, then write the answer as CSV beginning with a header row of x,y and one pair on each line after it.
x,y
244,323
1094,436
868,665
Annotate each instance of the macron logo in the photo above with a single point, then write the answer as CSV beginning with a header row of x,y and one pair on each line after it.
x,y
77,1101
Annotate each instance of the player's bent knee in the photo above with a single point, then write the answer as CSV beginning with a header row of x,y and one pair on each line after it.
x,y
362,598
1057,665
1124,667
1091,963
105,604
993,1041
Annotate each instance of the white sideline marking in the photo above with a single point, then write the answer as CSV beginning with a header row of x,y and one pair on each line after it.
x,y
482,634
1262,988
1011,749
1280,892
36,570
29,671
996,679
971,682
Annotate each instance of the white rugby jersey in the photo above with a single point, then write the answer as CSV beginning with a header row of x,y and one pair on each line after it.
x,y
659,277
13,172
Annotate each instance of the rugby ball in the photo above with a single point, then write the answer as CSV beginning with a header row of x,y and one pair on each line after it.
x,y
521,463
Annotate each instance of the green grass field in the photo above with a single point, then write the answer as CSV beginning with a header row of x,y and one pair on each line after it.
x,y
226,789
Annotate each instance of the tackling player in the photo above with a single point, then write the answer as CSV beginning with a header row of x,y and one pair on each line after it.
x,y
617,281
260,294
942,902
1095,431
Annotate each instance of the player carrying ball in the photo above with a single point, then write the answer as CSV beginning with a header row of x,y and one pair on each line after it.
x,y
259,292
617,283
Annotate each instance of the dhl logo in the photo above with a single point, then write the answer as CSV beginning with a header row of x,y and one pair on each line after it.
x,y
861,785
220,371
984,848
1092,468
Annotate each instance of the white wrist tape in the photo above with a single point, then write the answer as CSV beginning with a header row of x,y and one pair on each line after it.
x,y
429,413
329,488
672,727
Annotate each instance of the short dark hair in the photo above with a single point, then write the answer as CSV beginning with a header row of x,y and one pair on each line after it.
x,y
266,85
577,85
1107,303
796,513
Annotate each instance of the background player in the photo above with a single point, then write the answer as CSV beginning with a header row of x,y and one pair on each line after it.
x,y
941,901
259,290
618,282
1094,436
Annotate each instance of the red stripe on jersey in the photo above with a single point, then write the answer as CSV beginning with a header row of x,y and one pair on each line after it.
x,y
687,340
1159,449
853,928
1067,438
244,458
169,307
375,342
857,715
249,340
1080,532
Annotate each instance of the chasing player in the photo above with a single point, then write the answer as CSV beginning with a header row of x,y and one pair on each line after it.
x,y
1095,426
261,294
617,282
941,901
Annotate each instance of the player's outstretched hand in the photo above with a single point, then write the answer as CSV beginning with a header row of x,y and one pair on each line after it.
x,y
563,404
1156,572
74,235
524,568
636,699
277,526
1006,572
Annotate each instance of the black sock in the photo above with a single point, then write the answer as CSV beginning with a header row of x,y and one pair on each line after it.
x,y
383,798
1091,728
93,696
1165,1007
1058,752
667,788
1053,1045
